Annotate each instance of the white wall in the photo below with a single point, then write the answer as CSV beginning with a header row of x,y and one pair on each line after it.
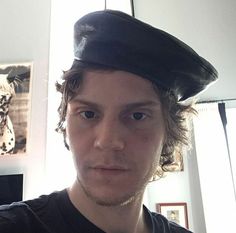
x,y
24,30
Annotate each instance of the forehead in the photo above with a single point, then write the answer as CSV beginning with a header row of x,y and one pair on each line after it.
x,y
118,86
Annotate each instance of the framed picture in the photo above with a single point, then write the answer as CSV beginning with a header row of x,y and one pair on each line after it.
x,y
175,212
15,85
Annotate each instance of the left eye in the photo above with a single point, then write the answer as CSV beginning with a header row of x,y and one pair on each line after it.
x,y
138,116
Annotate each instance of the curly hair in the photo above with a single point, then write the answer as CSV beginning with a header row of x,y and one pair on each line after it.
x,y
176,114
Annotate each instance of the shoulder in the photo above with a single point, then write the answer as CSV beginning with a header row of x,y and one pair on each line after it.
x,y
10,211
26,216
42,202
161,222
13,216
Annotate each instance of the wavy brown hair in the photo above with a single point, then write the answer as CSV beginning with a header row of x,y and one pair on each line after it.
x,y
176,115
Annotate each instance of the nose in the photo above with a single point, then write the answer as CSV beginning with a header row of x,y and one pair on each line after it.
x,y
109,135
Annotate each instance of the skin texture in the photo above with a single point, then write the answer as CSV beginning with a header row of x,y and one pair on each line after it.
x,y
115,130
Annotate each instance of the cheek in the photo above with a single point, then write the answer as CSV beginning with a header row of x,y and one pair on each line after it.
x,y
148,143
78,138
146,153
80,146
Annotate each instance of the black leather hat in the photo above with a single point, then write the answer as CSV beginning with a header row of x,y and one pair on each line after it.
x,y
117,40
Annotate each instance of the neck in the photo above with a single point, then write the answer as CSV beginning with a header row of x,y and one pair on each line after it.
x,y
125,218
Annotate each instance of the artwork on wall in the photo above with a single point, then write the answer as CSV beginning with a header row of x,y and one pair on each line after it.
x,y
15,82
175,212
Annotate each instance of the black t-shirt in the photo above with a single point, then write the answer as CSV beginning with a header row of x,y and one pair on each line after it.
x,y
55,213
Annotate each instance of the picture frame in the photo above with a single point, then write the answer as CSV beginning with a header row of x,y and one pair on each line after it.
x,y
175,212
15,105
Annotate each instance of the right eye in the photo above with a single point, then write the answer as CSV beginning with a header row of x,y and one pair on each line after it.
x,y
88,114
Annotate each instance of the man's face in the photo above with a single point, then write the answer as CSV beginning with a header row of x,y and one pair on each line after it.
x,y
115,129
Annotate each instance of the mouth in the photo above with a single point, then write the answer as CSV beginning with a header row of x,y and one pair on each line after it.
x,y
109,170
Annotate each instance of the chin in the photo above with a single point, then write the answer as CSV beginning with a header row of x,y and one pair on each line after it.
x,y
112,197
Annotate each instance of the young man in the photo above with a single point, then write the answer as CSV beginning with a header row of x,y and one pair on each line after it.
x,y
122,119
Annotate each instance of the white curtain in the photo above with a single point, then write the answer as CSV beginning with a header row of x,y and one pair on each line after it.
x,y
231,130
214,170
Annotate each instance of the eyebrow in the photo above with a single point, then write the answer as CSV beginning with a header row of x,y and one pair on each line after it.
x,y
143,103
147,103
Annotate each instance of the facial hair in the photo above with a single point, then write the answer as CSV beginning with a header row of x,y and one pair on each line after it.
x,y
127,198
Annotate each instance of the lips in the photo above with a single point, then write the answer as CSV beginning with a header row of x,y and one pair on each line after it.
x,y
109,169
